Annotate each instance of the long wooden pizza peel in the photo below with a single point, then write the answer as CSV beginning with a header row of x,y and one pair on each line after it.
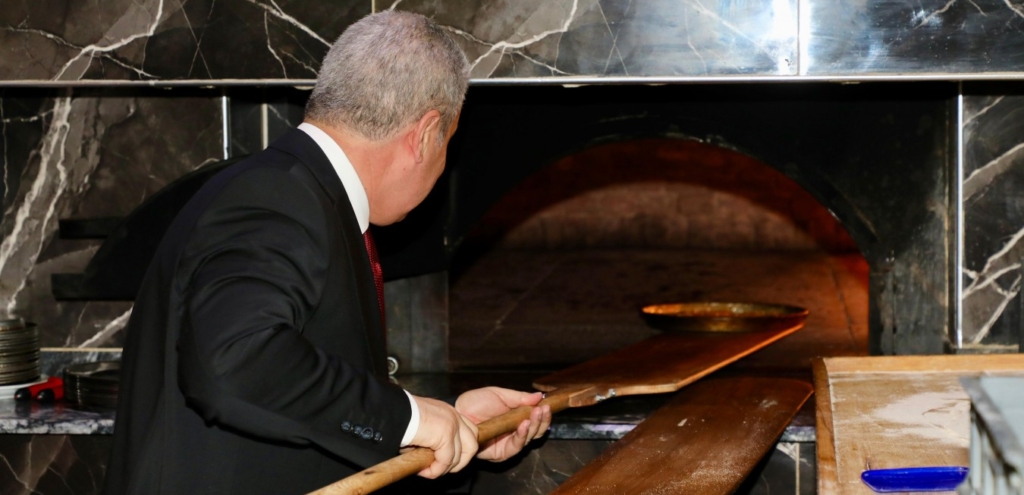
x,y
661,364
705,441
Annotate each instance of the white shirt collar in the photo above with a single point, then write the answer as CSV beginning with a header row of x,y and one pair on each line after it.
x,y
361,206
343,167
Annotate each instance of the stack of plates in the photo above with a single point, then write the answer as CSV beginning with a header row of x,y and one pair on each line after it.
x,y
93,384
19,352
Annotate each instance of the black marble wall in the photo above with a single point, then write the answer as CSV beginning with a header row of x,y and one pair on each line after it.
x,y
53,464
993,209
728,37
159,39
123,40
264,39
907,37
87,153
613,38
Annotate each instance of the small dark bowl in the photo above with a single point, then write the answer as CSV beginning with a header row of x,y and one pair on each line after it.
x,y
722,317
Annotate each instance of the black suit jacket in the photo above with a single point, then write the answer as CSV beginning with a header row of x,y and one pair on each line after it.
x,y
254,360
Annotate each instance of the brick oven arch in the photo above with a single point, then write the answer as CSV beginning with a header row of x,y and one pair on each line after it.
x,y
666,167
568,290
640,128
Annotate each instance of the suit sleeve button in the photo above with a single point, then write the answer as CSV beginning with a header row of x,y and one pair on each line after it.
x,y
346,426
366,434
357,430
377,437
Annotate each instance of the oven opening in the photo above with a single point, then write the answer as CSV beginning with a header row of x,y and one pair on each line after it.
x,y
555,272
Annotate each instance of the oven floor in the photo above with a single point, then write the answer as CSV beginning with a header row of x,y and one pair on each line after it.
x,y
526,310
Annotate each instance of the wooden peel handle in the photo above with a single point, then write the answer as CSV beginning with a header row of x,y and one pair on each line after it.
x,y
415,460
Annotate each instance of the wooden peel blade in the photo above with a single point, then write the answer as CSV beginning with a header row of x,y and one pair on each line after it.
x,y
661,364
705,441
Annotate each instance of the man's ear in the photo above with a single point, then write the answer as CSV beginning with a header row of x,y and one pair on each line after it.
x,y
425,134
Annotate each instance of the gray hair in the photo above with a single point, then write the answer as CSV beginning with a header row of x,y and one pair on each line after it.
x,y
385,72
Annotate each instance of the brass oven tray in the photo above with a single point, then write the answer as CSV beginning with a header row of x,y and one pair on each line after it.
x,y
722,316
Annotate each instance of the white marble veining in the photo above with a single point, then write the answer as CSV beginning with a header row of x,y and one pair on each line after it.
x,y
591,38
556,12
992,288
984,175
273,9
71,156
57,177
120,34
108,330
994,152
53,419
147,40
977,115
638,38
33,220
92,51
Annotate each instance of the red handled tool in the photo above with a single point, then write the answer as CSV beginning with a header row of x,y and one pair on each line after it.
x,y
48,391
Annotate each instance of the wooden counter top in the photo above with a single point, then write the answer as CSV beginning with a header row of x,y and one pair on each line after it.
x,y
895,411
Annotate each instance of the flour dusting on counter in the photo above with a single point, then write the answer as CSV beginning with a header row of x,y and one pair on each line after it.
x,y
936,415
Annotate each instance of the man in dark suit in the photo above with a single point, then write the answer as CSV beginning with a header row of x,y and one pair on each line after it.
x,y
255,359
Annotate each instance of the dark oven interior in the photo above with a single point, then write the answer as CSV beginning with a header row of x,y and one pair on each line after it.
x,y
572,207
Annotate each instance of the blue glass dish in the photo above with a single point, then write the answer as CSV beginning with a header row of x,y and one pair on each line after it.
x,y
919,479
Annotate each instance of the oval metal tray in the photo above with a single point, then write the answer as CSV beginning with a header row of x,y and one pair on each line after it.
x,y
722,316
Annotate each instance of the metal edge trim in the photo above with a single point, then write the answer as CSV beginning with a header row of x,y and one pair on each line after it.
x,y
958,281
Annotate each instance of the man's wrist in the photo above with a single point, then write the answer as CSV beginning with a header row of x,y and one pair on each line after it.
x,y
414,422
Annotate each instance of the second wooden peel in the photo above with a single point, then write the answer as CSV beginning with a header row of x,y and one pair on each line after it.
x,y
705,441
661,364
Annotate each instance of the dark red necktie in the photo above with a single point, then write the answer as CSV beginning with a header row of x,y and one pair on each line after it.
x,y
378,275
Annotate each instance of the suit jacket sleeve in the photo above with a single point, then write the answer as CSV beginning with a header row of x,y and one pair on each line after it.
x,y
251,275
